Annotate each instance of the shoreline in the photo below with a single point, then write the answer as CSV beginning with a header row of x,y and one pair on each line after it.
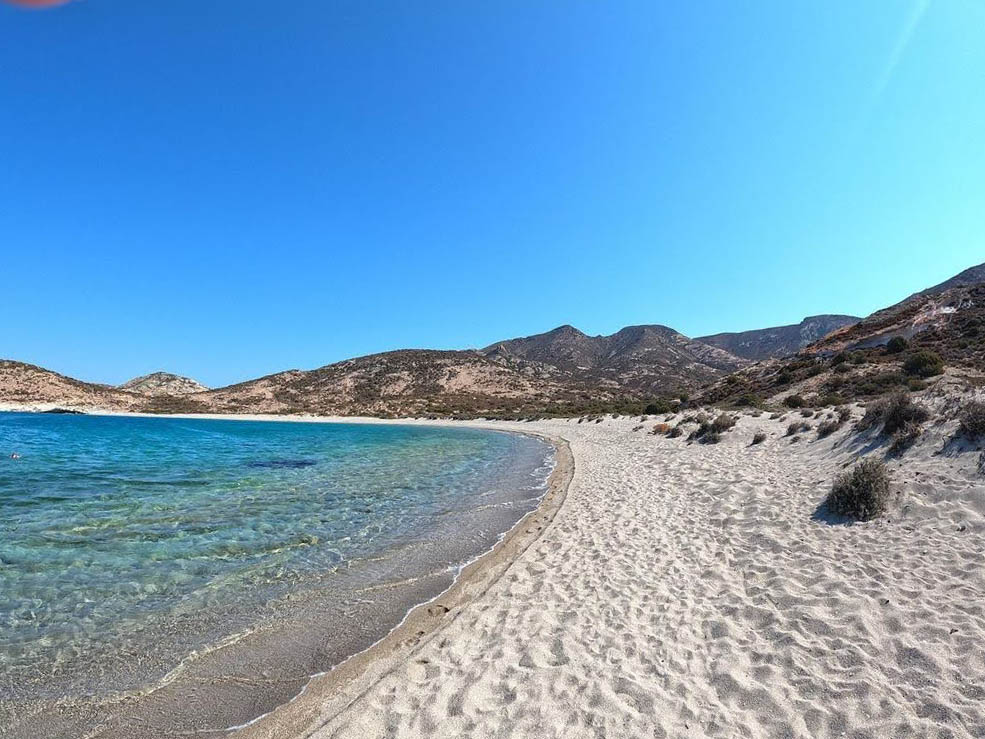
x,y
419,613
681,589
425,621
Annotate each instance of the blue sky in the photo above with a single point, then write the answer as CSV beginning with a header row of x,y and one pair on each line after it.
x,y
229,188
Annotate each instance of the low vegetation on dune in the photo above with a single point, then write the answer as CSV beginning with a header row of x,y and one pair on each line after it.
x,y
710,431
971,420
893,414
862,493
797,427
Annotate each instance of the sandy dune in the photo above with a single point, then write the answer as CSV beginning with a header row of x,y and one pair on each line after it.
x,y
690,591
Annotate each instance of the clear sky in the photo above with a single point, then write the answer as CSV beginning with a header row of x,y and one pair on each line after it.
x,y
229,188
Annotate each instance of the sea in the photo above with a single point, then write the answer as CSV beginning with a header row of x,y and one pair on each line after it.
x,y
131,547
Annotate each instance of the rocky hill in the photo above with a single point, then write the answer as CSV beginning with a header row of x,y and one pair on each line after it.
x,y
647,359
163,383
565,371
948,318
943,325
780,341
27,385
561,371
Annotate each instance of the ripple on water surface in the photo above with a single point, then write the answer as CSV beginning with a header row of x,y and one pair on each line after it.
x,y
152,536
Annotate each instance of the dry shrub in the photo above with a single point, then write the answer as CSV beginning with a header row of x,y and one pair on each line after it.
x,y
723,423
758,439
710,432
903,438
893,413
796,427
972,420
862,493
675,432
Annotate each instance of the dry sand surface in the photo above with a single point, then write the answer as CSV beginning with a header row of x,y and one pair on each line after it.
x,y
692,591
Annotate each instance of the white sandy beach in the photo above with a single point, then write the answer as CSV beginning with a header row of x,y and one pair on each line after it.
x,y
686,591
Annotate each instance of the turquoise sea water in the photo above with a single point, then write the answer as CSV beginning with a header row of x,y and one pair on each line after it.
x,y
113,527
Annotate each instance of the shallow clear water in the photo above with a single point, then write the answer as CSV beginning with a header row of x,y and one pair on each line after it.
x,y
111,526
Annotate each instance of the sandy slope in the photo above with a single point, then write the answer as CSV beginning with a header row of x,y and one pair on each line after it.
x,y
689,591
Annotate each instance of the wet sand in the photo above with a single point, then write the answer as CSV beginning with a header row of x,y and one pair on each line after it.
x,y
266,665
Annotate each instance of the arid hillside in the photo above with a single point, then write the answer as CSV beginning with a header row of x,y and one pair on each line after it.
x,y
781,341
30,385
936,332
939,331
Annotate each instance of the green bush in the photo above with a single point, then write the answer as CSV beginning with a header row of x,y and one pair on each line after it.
x,y
863,493
656,408
794,401
896,345
924,363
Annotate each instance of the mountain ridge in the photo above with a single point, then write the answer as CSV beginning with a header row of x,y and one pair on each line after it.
x,y
559,371
779,341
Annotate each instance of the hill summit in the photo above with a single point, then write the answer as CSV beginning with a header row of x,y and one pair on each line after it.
x,y
163,383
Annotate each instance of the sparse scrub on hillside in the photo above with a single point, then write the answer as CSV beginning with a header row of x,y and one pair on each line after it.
x,y
896,345
924,363
794,401
758,439
657,407
862,493
675,432
748,400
